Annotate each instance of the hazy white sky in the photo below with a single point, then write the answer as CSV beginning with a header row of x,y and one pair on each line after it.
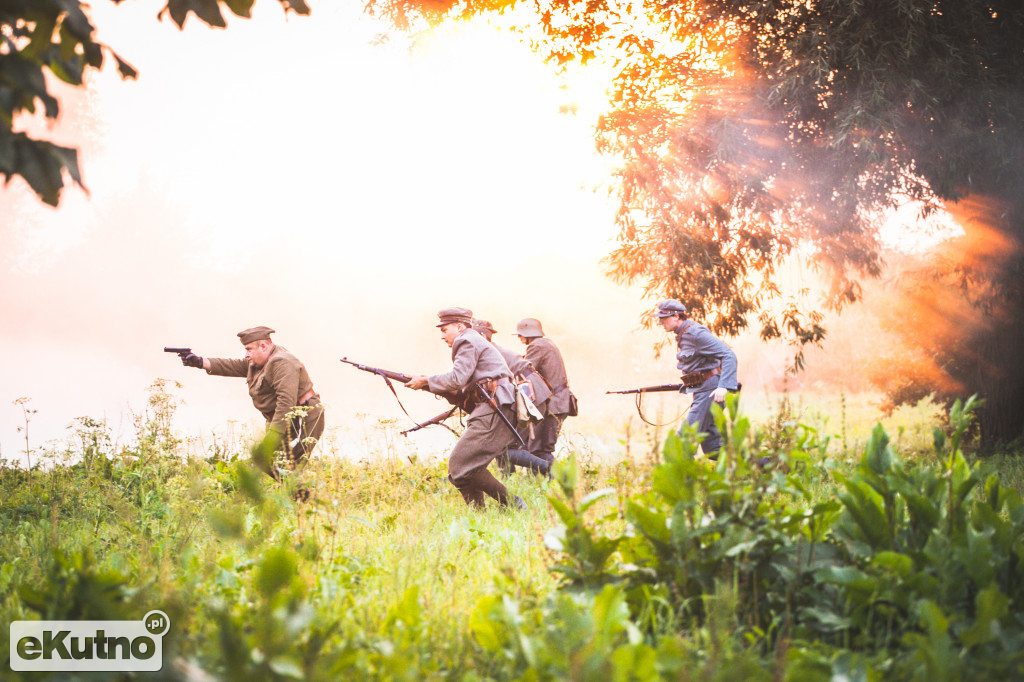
x,y
293,172
289,172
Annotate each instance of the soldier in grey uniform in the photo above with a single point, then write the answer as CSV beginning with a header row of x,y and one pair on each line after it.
x,y
522,370
278,383
708,366
480,371
546,359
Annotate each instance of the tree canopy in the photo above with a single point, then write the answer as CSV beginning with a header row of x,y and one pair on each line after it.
x,y
746,131
751,130
40,39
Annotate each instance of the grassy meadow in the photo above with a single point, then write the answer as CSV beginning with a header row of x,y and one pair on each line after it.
x,y
637,560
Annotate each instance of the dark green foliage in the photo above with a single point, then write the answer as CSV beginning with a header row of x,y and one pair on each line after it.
x,y
914,572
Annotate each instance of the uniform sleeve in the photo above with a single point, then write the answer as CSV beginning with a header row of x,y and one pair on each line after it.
x,y
464,364
284,378
228,367
710,346
535,356
517,364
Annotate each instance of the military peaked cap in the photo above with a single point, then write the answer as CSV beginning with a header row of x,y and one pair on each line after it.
x,y
450,315
669,307
255,334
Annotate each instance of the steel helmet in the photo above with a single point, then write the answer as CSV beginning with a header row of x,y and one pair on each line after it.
x,y
529,327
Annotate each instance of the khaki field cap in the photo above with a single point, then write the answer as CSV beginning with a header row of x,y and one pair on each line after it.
x,y
483,326
255,334
450,315
668,308
529,327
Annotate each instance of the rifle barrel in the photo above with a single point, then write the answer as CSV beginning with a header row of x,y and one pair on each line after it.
x,y
649,389
397,376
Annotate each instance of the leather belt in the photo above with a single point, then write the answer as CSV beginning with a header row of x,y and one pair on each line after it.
x,y
695,379
491,385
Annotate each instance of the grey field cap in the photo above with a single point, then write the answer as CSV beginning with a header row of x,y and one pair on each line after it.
x,y
484,326
669,307
529,327
455,314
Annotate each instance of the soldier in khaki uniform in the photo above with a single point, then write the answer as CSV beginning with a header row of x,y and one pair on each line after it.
x,y
278,383
478,370
546,359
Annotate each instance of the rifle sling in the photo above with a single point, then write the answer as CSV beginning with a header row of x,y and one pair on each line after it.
x,y
639,411
418,425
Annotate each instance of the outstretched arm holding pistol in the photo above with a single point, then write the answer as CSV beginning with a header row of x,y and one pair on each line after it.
x,y
188,358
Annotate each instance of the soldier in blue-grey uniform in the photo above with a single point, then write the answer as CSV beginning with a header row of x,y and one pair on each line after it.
x,y
478,370
708,368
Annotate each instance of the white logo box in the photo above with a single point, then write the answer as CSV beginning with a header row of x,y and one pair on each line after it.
x,y
89,645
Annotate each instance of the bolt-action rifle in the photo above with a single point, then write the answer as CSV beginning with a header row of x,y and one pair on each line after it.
x,y
463,400
433,421
664,388
639,393
650,389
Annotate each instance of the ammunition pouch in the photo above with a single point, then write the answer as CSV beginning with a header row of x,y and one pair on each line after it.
x,y
697,379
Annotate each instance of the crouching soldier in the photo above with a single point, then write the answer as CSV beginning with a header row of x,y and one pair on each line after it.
x,y
278,384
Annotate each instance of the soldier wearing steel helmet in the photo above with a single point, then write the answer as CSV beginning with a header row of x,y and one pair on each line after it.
x,y
477,368
547,360
539,393
708,367
278,383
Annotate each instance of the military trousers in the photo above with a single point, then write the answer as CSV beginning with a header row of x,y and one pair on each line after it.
x,y
700,414
514,457
304,432
486,437
545,435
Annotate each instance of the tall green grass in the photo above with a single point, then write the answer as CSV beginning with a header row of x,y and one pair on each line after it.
x,y
384,573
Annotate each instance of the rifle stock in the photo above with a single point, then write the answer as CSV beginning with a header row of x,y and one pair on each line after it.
x,y
649,389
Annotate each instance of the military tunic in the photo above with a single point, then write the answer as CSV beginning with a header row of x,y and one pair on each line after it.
x,y
275,389
474,359
699,350
486,435
545,357
521,367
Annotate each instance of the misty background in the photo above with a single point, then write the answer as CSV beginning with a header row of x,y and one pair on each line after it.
x,y
302,174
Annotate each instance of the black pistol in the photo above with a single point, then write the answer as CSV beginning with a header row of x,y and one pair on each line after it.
x,y
182,352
